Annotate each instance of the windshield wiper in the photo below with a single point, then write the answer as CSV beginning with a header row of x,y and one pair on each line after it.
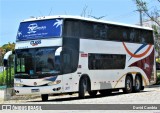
x,y
51,72
21,74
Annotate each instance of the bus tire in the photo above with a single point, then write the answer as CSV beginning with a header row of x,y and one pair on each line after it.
x,y
92,93
83,87
44,97
138,84
128,85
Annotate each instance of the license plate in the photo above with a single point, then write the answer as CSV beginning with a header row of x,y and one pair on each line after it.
x,y
34,90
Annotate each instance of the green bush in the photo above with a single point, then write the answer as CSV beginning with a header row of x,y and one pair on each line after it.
x,y
158,78
3,77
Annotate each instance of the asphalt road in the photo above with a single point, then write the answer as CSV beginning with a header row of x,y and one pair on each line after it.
x,y
148,96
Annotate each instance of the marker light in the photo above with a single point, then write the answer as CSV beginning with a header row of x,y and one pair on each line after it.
x,y
54,83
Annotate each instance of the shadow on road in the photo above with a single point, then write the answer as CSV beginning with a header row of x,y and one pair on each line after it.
x,y
86,97
153,86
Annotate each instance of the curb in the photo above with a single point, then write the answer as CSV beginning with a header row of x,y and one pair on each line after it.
x,y
152,86
2,93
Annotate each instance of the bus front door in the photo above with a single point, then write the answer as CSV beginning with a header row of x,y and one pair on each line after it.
x,y
67,71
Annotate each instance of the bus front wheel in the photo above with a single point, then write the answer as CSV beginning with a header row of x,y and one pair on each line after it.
x,y
83,87
44,97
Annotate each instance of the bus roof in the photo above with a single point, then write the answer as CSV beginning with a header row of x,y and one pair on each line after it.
x,y
86,19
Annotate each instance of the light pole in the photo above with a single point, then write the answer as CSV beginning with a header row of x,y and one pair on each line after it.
x,y
141,8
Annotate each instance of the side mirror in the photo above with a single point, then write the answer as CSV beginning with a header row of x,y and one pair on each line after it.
x,y
5,63
6,57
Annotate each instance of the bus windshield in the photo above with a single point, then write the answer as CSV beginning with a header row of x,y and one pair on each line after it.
x,y
38,61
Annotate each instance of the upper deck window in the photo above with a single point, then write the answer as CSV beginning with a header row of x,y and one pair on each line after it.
x,y
40,29
103,31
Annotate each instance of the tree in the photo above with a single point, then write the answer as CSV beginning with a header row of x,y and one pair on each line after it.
x,y
5,48
88,13
152,14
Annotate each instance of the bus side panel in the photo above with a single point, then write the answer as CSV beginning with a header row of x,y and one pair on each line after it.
x,y
146,64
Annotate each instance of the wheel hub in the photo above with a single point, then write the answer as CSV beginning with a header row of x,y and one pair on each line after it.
x,y
137,84
128,85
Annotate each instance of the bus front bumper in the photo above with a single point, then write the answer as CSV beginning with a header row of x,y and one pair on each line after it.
x,y
38,90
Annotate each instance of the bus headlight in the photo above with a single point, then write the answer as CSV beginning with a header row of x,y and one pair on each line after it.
x,y
54,83
18,85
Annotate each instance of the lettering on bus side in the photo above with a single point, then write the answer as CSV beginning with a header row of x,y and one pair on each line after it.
x,y
84,55
35,42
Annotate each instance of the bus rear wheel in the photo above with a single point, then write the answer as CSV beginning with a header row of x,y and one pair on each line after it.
x,y
138,84
128,85
44,97
83,87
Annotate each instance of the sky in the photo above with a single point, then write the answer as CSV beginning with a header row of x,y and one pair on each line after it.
x,y
12,12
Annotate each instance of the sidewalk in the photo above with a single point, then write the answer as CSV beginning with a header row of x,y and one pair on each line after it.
x,y
2,95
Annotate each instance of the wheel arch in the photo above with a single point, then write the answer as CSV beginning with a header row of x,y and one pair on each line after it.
x,y
130,75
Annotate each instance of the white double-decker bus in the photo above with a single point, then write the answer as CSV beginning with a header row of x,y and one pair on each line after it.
x,y
66,54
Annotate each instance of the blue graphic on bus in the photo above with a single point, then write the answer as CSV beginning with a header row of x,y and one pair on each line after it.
x,y
40,29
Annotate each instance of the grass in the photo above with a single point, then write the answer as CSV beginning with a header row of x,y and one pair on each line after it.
x,y
2,78
158,77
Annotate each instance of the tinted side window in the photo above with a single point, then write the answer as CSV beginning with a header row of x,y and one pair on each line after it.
x,y
118,33
125,34
108,32
100,31
114,33
71,28
140,36
86,30
66,59
71,54
143,37
147,37
106,61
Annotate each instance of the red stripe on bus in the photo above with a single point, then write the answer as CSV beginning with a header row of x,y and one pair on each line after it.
x,y
84,55
139,55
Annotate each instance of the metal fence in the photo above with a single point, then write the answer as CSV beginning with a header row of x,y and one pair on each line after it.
x,y
1,69
10,72
7,74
